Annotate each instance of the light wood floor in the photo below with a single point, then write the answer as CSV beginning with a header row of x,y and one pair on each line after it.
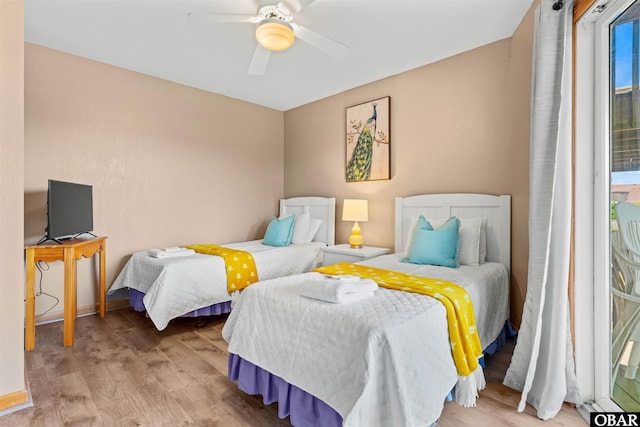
x,y
122,371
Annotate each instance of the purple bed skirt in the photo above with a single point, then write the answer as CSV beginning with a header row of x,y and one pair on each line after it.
x,y
303,408
506,332
135,299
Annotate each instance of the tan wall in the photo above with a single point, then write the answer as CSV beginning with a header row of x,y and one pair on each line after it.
x,y
169,164
450,132
12,385
519,123
152,148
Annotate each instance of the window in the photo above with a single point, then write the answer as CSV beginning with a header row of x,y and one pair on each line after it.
x,y
607,136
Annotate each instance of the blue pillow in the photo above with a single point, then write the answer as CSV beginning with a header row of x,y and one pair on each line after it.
x,y
279,232
435,247
422,223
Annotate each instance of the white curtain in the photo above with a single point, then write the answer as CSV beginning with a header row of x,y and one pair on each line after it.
x,y
542,366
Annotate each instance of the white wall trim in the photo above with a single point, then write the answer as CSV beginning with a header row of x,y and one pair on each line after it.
x,y
592,219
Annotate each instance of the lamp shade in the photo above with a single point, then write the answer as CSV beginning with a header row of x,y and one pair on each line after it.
x,y
275,34
355,210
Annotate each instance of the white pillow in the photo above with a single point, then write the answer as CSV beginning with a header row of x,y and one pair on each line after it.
x,y
469,251
407,241
301,224
482,257
314,226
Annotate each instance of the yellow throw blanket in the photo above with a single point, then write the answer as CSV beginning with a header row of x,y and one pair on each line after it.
x,y
241,267
463,334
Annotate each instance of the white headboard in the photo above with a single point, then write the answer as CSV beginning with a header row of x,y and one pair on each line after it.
x,y
496,209
323,208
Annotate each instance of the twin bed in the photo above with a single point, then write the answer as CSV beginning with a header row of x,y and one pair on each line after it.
x,y
196,285
381,361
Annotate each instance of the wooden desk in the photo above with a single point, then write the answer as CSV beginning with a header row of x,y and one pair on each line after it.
x,y
69,252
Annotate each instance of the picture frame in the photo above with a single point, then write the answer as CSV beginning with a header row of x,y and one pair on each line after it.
x,y
368,141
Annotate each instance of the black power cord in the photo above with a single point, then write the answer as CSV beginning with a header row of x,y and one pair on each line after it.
x,y
44,266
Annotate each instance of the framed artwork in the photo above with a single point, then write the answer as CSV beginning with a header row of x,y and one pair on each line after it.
x,y
368,142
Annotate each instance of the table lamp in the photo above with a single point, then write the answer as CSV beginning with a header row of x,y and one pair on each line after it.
x,y
355,210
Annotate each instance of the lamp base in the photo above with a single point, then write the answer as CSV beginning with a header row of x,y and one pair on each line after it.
x,y
355,240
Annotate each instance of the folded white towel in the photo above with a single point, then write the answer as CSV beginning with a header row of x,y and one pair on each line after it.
x,y
338,289
345,278
161,253
173,249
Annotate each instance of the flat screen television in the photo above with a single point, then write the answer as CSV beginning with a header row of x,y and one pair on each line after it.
x,y
69,210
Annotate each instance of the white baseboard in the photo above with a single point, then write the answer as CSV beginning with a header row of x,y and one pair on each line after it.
x,y
56,316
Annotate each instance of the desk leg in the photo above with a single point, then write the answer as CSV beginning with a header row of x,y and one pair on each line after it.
x,y
69,295
103,281
30,327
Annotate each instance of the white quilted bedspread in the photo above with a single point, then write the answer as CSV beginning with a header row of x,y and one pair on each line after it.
x,y
382,361
175,286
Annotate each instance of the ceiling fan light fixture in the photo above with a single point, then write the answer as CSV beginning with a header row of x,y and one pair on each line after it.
x,y
275,34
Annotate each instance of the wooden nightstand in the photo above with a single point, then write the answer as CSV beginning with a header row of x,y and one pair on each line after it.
x,y
344,253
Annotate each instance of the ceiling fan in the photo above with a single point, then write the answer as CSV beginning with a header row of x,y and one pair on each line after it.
x,y
275,31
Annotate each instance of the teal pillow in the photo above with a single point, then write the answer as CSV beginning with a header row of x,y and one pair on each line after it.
x,y
435,247
279,231
422,223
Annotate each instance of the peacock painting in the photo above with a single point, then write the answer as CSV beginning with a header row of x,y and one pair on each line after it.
x,y
368,141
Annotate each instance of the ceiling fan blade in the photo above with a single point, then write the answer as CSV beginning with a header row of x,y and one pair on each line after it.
x,y
259,62
219,17
295,5
317,40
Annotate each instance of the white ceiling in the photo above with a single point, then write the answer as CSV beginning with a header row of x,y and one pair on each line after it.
x,y
384,37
